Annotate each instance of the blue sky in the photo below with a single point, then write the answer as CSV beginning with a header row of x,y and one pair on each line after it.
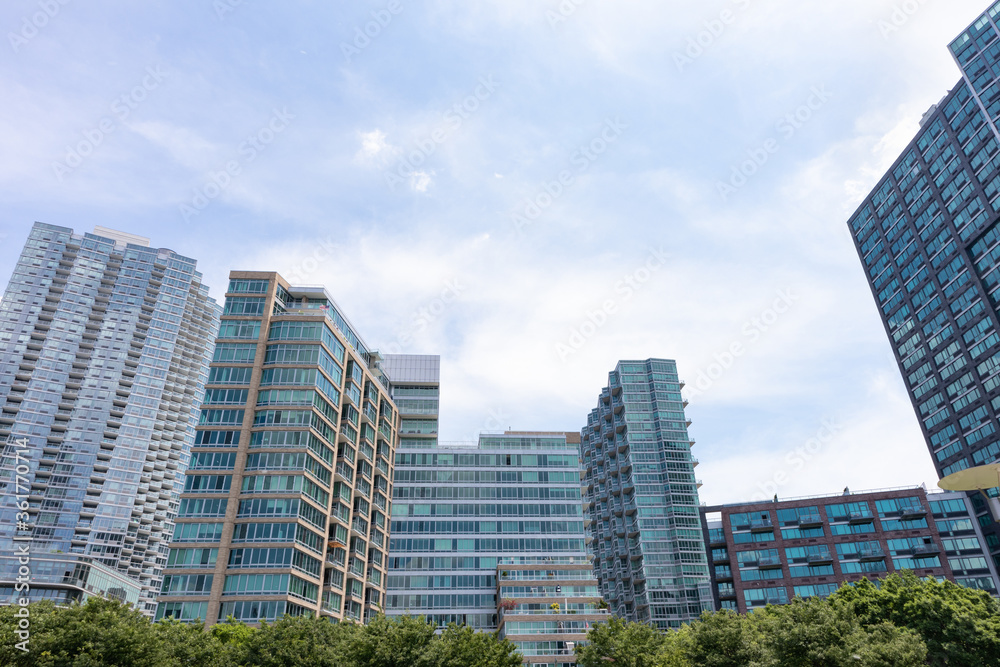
x,y
529,188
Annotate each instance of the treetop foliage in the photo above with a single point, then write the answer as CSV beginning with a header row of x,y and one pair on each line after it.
x,y
102,633
902,622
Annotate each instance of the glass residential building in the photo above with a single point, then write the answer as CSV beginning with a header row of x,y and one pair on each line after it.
x,y
649,551
415,384
104,350
770,552
458,510
929,239
286,504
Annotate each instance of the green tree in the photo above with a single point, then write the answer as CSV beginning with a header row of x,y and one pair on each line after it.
x,y
960,626
96,633
393,642
723,639
622,643
188,645
461,646
817,633
885,645
675,649
299,641
807,633
233,632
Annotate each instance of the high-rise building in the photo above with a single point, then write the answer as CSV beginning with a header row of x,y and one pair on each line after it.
x,y
457,511
285,508
929,239
104,351
415,385
770,552
649,551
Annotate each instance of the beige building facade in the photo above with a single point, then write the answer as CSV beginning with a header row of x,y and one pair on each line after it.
x,y
287,500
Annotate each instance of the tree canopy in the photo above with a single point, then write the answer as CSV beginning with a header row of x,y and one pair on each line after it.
x,y
902,622
101,633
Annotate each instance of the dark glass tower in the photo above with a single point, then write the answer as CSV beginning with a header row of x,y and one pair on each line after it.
x,y
929,240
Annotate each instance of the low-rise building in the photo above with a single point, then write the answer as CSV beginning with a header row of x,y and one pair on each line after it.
x,y
547,605
769,552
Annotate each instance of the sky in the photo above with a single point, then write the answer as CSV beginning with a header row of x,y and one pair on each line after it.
x,y
532,189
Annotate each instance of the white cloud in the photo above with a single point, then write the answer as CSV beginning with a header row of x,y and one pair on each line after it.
x,y
325,178
421,180
375,150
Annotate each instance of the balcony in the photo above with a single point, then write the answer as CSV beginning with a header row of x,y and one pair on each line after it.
x,y
761,525
871,554
769,563
385,431
820,558
348,434
913,512
727,591
860,517
807,520
345,473
926,551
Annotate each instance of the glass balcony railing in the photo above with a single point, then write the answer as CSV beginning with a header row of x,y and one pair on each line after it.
x,y
871,554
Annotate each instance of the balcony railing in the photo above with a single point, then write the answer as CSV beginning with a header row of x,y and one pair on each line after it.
x,y
912,511
345,471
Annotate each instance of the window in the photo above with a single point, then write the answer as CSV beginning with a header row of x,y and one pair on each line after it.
x,y
247,287
245,329
244,306
182,611
235,353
